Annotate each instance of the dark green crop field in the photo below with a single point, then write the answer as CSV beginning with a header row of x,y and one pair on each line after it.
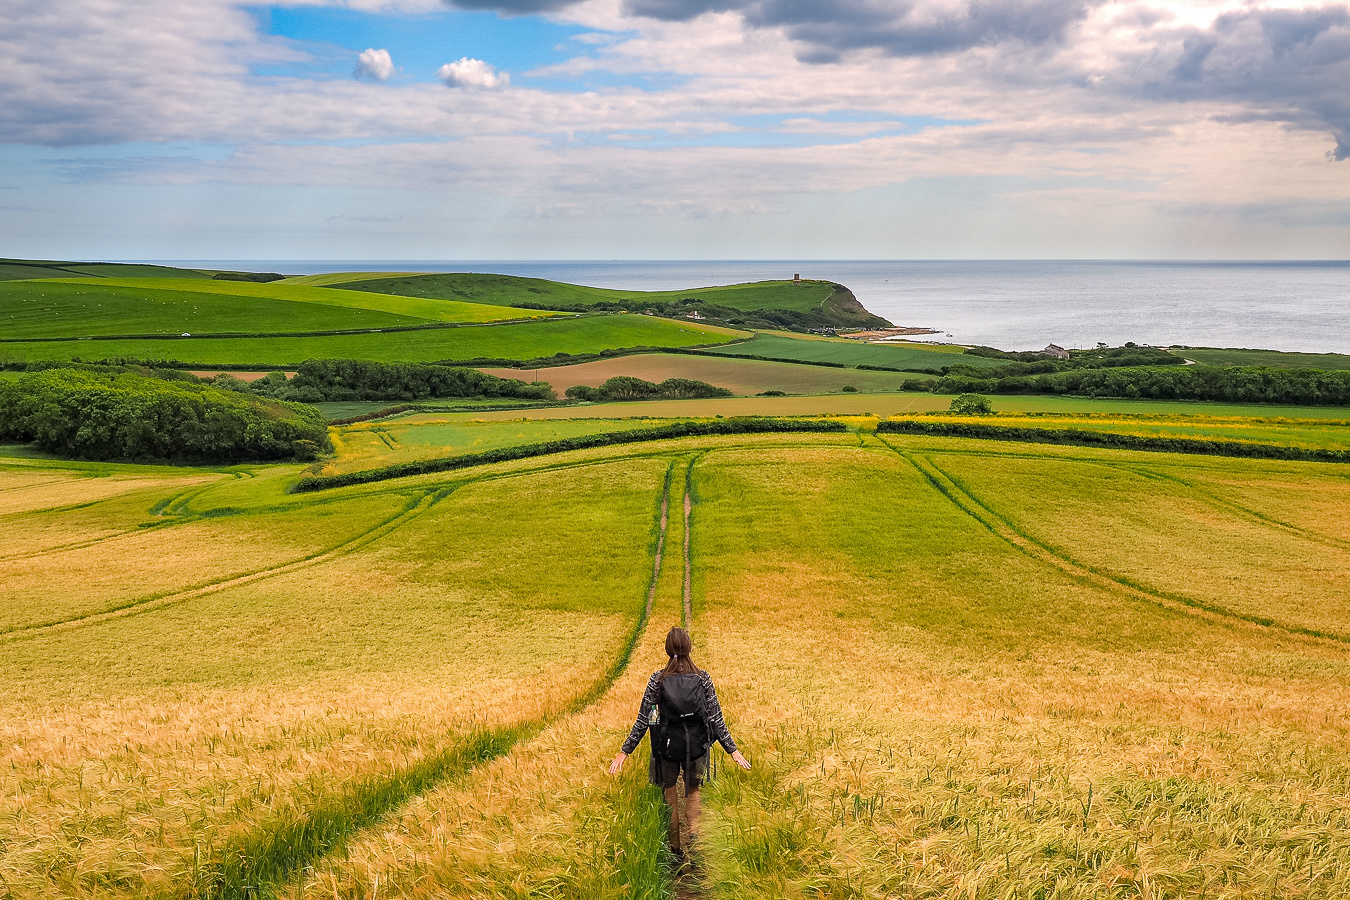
x,y
51,309
161,306
507,290
854,353
526,340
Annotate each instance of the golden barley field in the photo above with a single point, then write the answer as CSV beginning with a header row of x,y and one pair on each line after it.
x,y
960,668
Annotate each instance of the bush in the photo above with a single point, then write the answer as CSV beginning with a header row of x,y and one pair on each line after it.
x,y
259,277
971,405
125,415
849,389
583,393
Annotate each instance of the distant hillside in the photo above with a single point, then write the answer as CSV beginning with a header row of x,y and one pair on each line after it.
x,y
763,304
22,269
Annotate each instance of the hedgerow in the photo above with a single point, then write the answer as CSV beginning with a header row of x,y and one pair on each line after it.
x,y
1083,437
1234,384
745,425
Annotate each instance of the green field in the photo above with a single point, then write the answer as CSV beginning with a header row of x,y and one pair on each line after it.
x,y
854,353
1215,357
589,334
164,306
960,668
430,435
510,289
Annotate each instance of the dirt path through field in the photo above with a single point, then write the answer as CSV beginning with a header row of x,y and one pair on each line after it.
x,y
688,563
518,772
688,883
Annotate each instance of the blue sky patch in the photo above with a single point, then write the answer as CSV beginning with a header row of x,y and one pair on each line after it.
x,y
419,44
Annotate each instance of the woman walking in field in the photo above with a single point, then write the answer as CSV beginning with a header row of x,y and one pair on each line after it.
x,y
681,709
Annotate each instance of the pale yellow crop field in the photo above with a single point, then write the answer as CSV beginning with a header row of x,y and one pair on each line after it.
x,y
960,669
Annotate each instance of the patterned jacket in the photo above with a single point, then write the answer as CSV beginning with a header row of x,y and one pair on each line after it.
x,y
717,727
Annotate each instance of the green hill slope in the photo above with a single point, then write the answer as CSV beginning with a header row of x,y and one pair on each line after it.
x,y
13,269
510,289
763,304
520,341
49,309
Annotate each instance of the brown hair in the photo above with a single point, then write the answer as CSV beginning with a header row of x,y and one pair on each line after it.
x,y
678,646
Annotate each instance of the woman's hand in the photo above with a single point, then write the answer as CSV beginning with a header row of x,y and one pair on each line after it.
x,y
740,760
617,766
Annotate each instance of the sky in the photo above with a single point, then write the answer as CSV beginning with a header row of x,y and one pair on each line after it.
x,y
674,129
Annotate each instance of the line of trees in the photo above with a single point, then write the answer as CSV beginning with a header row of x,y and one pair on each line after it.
x,y
125,415
1237,384
1089,438
318,380
626,387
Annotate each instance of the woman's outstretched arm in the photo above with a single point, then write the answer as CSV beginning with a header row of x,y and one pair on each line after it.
x,y
649,697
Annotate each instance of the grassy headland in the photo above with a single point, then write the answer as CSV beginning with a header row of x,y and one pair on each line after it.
x,y
764,304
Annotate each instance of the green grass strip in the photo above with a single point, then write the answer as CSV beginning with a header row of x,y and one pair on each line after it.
x,y
1086,438
251,866
255,865
739,425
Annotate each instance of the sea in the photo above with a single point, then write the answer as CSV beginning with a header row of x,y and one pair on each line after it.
x,y
1012,305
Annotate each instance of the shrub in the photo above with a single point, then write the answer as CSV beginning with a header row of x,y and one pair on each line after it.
x,y
849,389
584,393
971,405
125,415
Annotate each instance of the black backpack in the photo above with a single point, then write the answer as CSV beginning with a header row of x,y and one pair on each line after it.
x,y
682,734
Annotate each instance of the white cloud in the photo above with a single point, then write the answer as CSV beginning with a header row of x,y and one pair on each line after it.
x,y
472,73
1101,107
373,65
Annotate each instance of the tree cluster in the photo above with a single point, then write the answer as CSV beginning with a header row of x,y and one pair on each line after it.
x,y
256,277
126,415
626,387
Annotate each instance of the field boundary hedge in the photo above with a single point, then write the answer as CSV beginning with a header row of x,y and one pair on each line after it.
x,y
1084,438
581,442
